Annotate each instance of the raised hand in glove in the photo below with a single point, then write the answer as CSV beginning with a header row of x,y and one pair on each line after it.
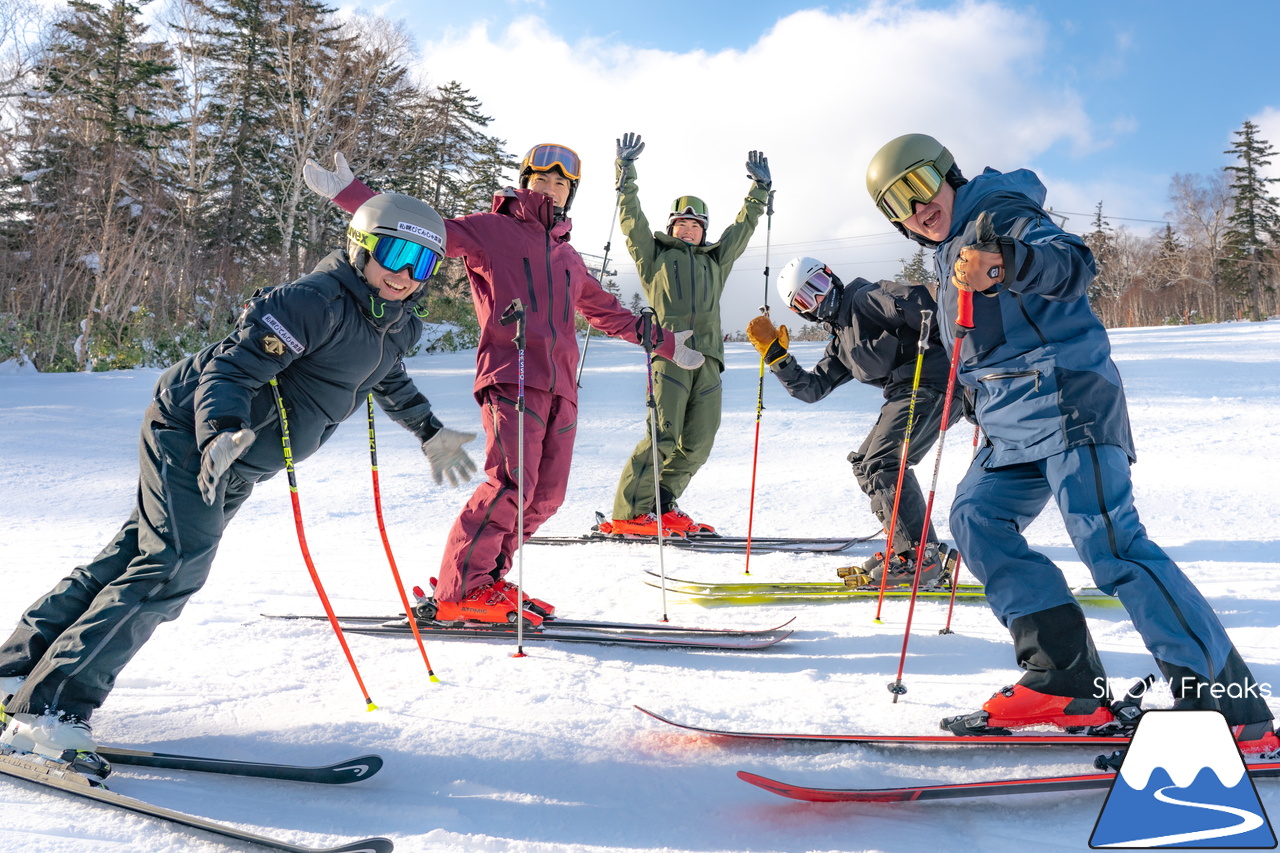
x,y
685,356
629,147
325,183
982,265
444,451
218,456
769,341
758,169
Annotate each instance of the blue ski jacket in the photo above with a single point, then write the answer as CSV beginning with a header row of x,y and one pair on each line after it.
x,y
1038,359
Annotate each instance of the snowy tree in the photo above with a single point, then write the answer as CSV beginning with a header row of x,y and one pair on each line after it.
x,y
1254,231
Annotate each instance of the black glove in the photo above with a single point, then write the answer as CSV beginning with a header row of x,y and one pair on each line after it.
x,y
758,169
629,147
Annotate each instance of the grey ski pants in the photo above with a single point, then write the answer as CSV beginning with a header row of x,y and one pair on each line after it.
x,y
73,642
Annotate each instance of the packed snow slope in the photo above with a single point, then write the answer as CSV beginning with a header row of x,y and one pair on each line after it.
x,y
545,753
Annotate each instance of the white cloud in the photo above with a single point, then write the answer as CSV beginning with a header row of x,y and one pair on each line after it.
x,y
1268,122
819,93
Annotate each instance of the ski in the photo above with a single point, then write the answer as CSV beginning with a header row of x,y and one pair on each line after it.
x,y
574,631
71,782
757,592
940,740
717,543
340,773
998,787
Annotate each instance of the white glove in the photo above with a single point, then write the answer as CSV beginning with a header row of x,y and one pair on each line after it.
x,y
325,183
689,359
444,451
217,458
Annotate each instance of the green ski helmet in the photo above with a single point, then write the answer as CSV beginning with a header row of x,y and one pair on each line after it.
x,y
689,207
397,231
909,169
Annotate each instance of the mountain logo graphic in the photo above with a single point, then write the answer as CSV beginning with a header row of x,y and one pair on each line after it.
x,y
1183,784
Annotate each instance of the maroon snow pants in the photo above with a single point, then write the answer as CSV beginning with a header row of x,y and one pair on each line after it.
x,y
486,528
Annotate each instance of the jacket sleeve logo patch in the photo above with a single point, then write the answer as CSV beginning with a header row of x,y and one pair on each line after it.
x,y
273,345
284,335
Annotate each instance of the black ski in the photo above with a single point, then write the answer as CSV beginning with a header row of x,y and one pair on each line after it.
x,y
340,773
719,544
71,782
574,631
998,787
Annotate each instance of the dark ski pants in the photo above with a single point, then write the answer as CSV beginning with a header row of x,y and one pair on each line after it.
x,y
876,462
1030,596
73,642
688,417
483,538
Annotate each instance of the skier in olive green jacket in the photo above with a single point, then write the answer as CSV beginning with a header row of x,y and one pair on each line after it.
x,y
683,276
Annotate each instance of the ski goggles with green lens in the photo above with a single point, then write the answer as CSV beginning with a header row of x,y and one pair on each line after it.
x,y
919,184
688,207
545,157
805,300
397,253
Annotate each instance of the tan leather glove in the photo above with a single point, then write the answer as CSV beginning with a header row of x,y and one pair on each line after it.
x,y
770,341
981,265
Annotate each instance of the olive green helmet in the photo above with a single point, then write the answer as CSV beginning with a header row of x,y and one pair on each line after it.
x,y
398,231
911,168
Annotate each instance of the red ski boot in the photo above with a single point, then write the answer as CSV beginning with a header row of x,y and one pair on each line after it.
x,y
646,524
486,603
678,520
537,605
1257,739
1018,707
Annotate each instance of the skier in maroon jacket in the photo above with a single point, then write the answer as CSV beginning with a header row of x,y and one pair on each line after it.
x,y
519,250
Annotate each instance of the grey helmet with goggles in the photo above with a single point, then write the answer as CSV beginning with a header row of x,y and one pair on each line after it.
x,y
547,156
689,207
804,284
399,232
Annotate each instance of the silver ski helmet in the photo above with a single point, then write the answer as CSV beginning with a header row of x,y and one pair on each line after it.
x,y
803,283
397,231
548,156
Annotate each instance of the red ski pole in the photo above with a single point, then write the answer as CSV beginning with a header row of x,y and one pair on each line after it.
x,y
955,567
386,543
964,322
306,553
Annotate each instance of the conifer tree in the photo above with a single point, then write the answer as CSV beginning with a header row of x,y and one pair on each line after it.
x,y
1254,231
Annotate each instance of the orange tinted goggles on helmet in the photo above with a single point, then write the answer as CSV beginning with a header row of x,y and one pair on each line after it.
x,y
545,157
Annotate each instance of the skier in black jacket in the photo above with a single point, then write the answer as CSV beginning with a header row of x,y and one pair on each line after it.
x,y
875,335
212,432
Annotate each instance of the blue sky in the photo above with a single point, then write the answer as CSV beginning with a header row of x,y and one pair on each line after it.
x,y
1104,100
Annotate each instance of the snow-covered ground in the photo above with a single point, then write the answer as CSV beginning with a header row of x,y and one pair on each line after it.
x,y
545,753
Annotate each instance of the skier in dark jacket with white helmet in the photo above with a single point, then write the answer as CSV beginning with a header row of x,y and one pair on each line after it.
x,y
328,339
1049,399
875,337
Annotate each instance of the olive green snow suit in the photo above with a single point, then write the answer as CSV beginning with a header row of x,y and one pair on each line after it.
x,y
682,283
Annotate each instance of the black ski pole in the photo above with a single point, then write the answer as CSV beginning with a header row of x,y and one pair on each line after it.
x,y
755,453
649,330
964,323
515,314
604,271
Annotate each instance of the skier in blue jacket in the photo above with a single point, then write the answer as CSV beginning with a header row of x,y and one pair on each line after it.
x,y
1050,402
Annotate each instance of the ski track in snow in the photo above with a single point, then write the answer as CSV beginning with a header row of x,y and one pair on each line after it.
x,y
545,753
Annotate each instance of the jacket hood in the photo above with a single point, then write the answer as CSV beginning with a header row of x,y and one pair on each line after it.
x,y
379,311
530,206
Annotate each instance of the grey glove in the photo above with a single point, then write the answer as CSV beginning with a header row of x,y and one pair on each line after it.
x,y
218,455
629,147
758,169
689,359
444,451
325,183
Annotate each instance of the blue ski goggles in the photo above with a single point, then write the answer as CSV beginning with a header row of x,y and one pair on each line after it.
x,y
397,253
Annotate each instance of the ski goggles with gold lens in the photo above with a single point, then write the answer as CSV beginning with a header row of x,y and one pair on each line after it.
x,y
545,157
815,287
919,184
397,253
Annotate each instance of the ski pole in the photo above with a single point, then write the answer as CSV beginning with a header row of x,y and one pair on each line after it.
x,y
386,543
302,543
604,271
648,330
755,453
964,323
926,320
515,314
955,567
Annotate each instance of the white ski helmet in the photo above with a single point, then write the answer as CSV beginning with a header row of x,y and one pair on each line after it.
x,y
803,283
397,231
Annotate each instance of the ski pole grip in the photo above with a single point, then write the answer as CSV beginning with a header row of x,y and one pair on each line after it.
x,y
964,313
515,314
926,321
646,326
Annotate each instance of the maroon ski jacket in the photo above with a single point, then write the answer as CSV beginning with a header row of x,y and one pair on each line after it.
x,y
519,251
